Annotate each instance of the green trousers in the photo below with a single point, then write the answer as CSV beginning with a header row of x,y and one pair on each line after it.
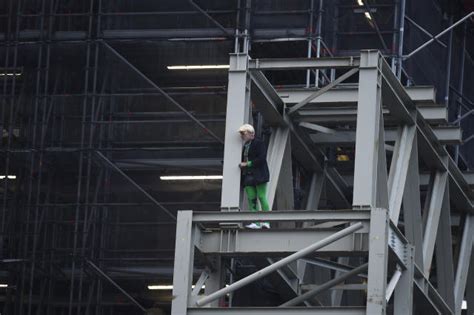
x,y
257,192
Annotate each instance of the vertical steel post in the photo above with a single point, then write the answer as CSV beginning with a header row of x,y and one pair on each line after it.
x,y
448,65
461,88
310,40
238,112
403,302
378,261
401,37
183,263
370,174
319,37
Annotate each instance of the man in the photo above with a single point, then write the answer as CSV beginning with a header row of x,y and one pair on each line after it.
x,y
255,173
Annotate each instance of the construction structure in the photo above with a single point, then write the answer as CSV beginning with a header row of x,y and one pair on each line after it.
x,y
117,117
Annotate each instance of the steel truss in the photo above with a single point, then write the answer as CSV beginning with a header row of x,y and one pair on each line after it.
x,y
400,233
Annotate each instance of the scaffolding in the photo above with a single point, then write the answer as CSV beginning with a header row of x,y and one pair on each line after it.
x,y
84,229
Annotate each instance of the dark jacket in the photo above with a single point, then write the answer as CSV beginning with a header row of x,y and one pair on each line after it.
x,y
258,173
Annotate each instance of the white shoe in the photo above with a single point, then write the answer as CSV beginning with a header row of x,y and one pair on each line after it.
x,y
254,226
265,225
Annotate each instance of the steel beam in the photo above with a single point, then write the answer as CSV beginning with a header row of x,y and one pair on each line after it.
x,y
242,242
323,90
303,63
434,114
190,162
183,34
423,179
238,112
329,264
281,215
445,135
393,283
401,107
336,114
266,100
277,311
293,257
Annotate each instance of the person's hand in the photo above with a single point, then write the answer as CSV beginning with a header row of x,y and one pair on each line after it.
x,y
243,164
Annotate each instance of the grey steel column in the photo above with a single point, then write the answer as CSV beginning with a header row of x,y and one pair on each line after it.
x,y
279,141
183,263
378,261
400,39
434,211
310,41
412,205
399,170
444,253
448,65
403,303
319,38
470,288
237,114
315,190
461,87
463,263
285,195
370,173
216,278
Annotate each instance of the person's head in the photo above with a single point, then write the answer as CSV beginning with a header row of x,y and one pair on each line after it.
x,y
247,132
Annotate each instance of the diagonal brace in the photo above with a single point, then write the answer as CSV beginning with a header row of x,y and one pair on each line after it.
x,y
134,183
323,90
219,25
166,95
269,269
103,274
325,286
